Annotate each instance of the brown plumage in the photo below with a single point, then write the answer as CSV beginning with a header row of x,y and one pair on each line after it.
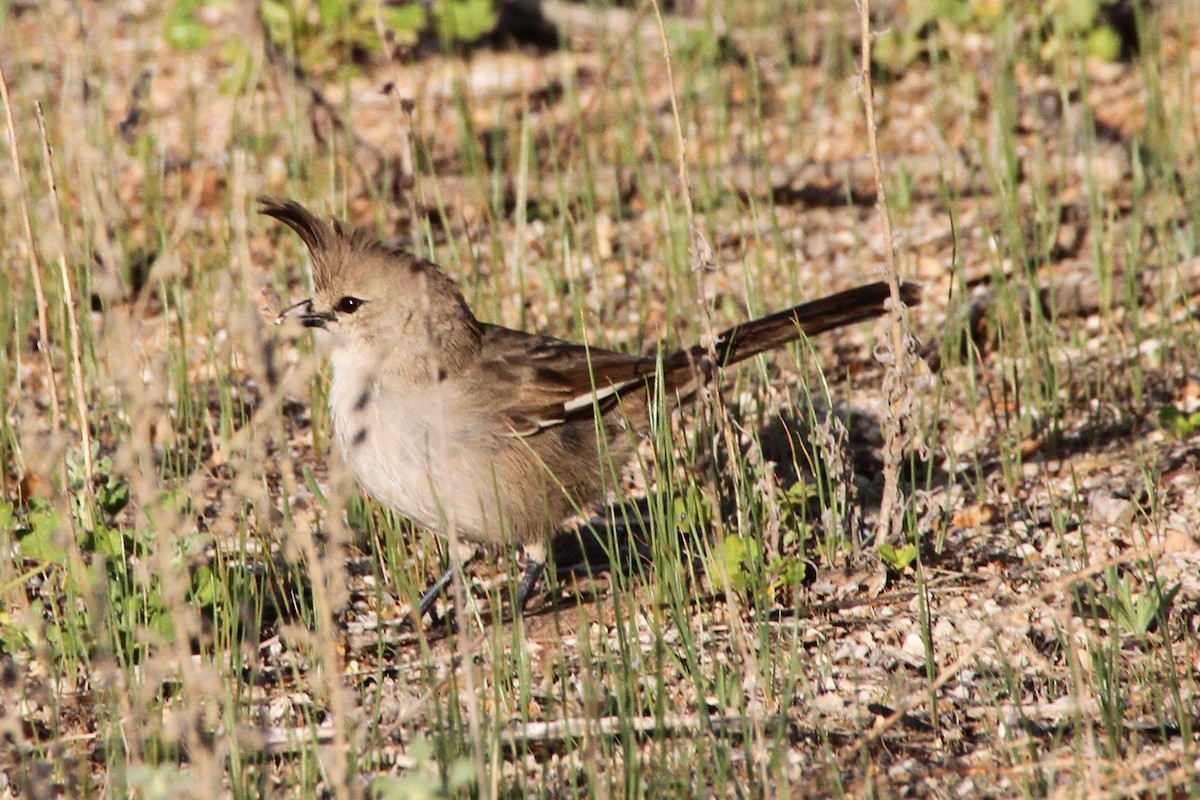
x,y
454,422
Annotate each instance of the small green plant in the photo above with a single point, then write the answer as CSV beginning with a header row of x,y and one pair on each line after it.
x,y
1059,26
463,20
42,551
328,35
16,637
795,504
184,31
693,513
1141,613
425,782
1084,19
700,43
787,572
1177,423
738,559
899,559
158,782
134,602
741,561
39,533
112,497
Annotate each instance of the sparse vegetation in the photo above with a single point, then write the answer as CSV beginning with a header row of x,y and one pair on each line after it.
x,y
196,601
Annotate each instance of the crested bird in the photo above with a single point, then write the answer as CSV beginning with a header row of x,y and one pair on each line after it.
x,y
496,433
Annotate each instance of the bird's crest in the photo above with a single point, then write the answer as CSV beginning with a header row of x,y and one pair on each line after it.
x,y
329,242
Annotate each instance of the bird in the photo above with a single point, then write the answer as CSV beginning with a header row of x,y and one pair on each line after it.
x,y
496,434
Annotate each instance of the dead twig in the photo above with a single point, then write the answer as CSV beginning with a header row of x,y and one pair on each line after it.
x,y
896,380
558,732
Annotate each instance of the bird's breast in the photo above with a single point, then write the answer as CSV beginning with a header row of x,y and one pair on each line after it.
x,y
423,453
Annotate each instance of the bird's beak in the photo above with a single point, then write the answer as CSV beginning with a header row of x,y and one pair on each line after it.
x,y
309,317
316,319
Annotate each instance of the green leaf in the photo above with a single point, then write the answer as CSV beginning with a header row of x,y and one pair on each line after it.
x,y
735,557
901,559
236,80
406,21
956,12
310,481
1137,614
162,624
1176,422
1077,16
988,12
789,571
334,12
703,43
108,542
15,638
184,31
163,782
462,774
203,591
692,511
41,537
6,516
1105,43
465,20
277,15
896,49
800,493
112,497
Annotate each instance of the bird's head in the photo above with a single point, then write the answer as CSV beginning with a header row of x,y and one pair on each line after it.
x,y
375,298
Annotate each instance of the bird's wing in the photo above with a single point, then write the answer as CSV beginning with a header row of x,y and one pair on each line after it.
x,y
550,381
544,381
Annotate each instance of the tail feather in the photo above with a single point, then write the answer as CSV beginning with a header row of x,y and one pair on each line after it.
x,y
758,336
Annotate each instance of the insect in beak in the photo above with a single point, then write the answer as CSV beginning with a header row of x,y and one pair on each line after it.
x,y
306,304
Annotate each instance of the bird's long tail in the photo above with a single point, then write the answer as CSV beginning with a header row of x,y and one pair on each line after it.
x,y
760,335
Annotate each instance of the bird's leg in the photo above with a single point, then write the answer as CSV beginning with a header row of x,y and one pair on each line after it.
x,y
458,560
434,592
536,558
535,554
533,573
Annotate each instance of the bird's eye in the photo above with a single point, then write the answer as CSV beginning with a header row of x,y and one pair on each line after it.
x,y
348,305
